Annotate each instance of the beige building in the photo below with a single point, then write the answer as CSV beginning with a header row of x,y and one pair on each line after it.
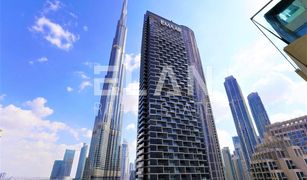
x,y
295,129
276,158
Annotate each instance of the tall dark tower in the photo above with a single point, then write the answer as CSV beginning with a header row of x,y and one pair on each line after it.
x,y
242,119
259,113
176,133
104,154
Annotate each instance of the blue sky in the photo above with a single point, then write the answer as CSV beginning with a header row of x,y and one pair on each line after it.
x,y
49,48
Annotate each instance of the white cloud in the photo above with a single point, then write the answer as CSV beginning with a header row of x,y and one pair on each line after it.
x,y
54,33
85,28
42,59
132,61
31,141
225,139
260,68
89,64
258,59
39,60
86,133
284,116
38,107
130,98
85,80
253,6
82,74
132,150
84,85
220,106
131,127
69,89
73,15
52,6
2,96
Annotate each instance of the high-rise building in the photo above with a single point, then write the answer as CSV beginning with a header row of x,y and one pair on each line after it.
x,y
67,161
81,163
239,161
238,167
230,172
104,154
260,116
295,129
124,161
131,171
62,168
56,169
276,158
241,117
176,133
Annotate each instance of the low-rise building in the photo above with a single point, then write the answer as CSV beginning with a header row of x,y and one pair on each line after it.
x,y
276,158
295,129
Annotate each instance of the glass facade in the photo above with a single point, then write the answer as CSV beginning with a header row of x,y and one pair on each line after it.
x,y
171,136
81,163
124,162
259,113
67,162
241,117
56,169
239,161
62,168
289,19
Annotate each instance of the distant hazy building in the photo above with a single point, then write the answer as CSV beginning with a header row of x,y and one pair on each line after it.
x,y
124,161
276,158
239,161
56,169
241,117
259,113
238,166
67,161
177,137
62,168
230,172
81,163
131,171
295,129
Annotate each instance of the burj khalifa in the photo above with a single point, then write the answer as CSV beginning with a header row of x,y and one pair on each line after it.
x,y
104,155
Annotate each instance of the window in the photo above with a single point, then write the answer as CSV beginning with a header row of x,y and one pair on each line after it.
x,y
288,19
290,164
300,175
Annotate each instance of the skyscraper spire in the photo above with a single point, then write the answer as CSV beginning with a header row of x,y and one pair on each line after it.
x,y
104,154
124,11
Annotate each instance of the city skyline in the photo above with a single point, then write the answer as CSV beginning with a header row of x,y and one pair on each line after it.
x,y
62,168
58,76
